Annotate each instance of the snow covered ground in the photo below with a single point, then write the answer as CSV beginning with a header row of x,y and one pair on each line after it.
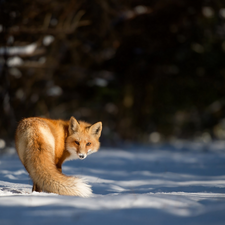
x,y
150,186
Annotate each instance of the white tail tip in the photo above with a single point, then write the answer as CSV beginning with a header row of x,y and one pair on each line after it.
x,y
83,189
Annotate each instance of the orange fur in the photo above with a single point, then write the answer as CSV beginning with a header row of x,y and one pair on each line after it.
x,y
44,144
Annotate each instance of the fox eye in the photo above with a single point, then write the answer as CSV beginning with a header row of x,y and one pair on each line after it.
x,y
88,144
77,142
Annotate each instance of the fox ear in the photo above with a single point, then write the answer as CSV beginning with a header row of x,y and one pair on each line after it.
x,y
73,125
96,129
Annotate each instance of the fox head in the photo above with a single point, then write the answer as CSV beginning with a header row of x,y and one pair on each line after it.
x,y
83,138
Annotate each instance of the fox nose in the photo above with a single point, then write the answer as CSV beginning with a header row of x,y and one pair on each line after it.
x,y
82,156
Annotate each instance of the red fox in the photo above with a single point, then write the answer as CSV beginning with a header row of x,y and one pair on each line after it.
x,y
44,144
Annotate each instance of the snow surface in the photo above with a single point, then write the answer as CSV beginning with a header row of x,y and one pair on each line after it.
x,y
151,186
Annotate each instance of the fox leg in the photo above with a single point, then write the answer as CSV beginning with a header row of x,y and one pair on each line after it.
x,y
59,169
36,188
59,166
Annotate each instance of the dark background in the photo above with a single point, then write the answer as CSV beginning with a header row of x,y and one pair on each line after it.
x,y
151,71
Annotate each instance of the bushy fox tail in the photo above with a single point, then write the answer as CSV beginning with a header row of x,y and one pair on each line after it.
x,y
42,169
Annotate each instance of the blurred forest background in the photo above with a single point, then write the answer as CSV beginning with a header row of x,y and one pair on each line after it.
x,y
150,70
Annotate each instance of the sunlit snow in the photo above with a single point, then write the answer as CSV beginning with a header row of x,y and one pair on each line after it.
x,y
148,186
